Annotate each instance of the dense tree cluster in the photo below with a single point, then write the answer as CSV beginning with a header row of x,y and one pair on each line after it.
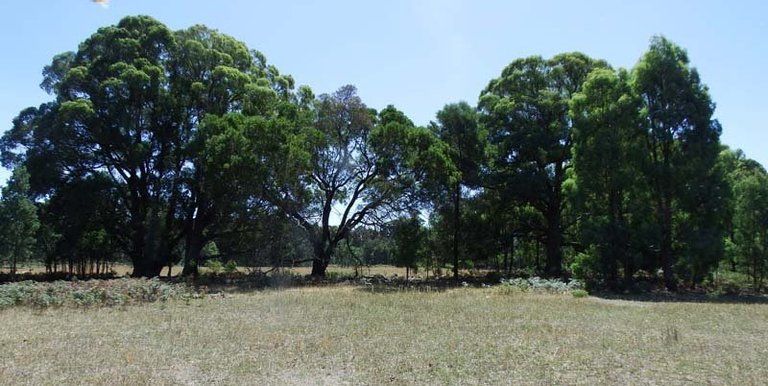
x,y
158,144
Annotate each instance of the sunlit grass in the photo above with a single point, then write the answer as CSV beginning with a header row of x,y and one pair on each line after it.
x,y
350,335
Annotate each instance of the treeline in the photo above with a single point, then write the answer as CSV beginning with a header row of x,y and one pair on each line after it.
x,y
165,147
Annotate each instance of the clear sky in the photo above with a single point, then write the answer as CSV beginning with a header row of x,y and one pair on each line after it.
x,y
421,54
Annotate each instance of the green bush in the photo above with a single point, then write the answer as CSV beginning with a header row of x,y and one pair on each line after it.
x,y
727,282
214,266
579,293
230,267
585,266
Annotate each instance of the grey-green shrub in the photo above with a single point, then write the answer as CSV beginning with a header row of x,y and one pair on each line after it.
x,y
537,284
92,293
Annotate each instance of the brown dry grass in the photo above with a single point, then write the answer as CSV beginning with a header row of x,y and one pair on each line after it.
x,y
348,335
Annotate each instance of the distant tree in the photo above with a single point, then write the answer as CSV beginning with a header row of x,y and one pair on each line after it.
x,y
82,226
18,220
752,225
367,246
410,243
751,219
526,113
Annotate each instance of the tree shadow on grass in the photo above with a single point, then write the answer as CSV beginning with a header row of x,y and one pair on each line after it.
x,y
684,297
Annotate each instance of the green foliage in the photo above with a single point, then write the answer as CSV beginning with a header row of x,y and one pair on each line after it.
x,y
530,132
174,121
586,266
579,293
464,143
458,127
750,220
682,147
350,158
367,246
230,266
726,282
410,242
18,220
210,250
214,266
607,158
157,145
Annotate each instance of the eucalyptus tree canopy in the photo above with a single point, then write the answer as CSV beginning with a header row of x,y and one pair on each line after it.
x,y
682,142
526,113
458,128
607,157
171,118
349,166
231,99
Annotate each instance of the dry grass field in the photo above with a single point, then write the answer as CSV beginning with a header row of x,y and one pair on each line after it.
x,y
350,335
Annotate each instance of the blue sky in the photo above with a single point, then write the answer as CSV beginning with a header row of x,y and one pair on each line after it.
x,y
421,54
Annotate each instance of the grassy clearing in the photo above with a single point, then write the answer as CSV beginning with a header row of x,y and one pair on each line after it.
x,y
350,335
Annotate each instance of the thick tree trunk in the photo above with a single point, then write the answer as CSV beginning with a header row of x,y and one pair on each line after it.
x,y
323,252
139,260
194,240
194,246
319,266
147,267
147,257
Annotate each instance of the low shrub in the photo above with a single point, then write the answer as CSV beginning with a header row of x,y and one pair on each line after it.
x,y
230,267
92,293
727,282
579,293
537,284
214,266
